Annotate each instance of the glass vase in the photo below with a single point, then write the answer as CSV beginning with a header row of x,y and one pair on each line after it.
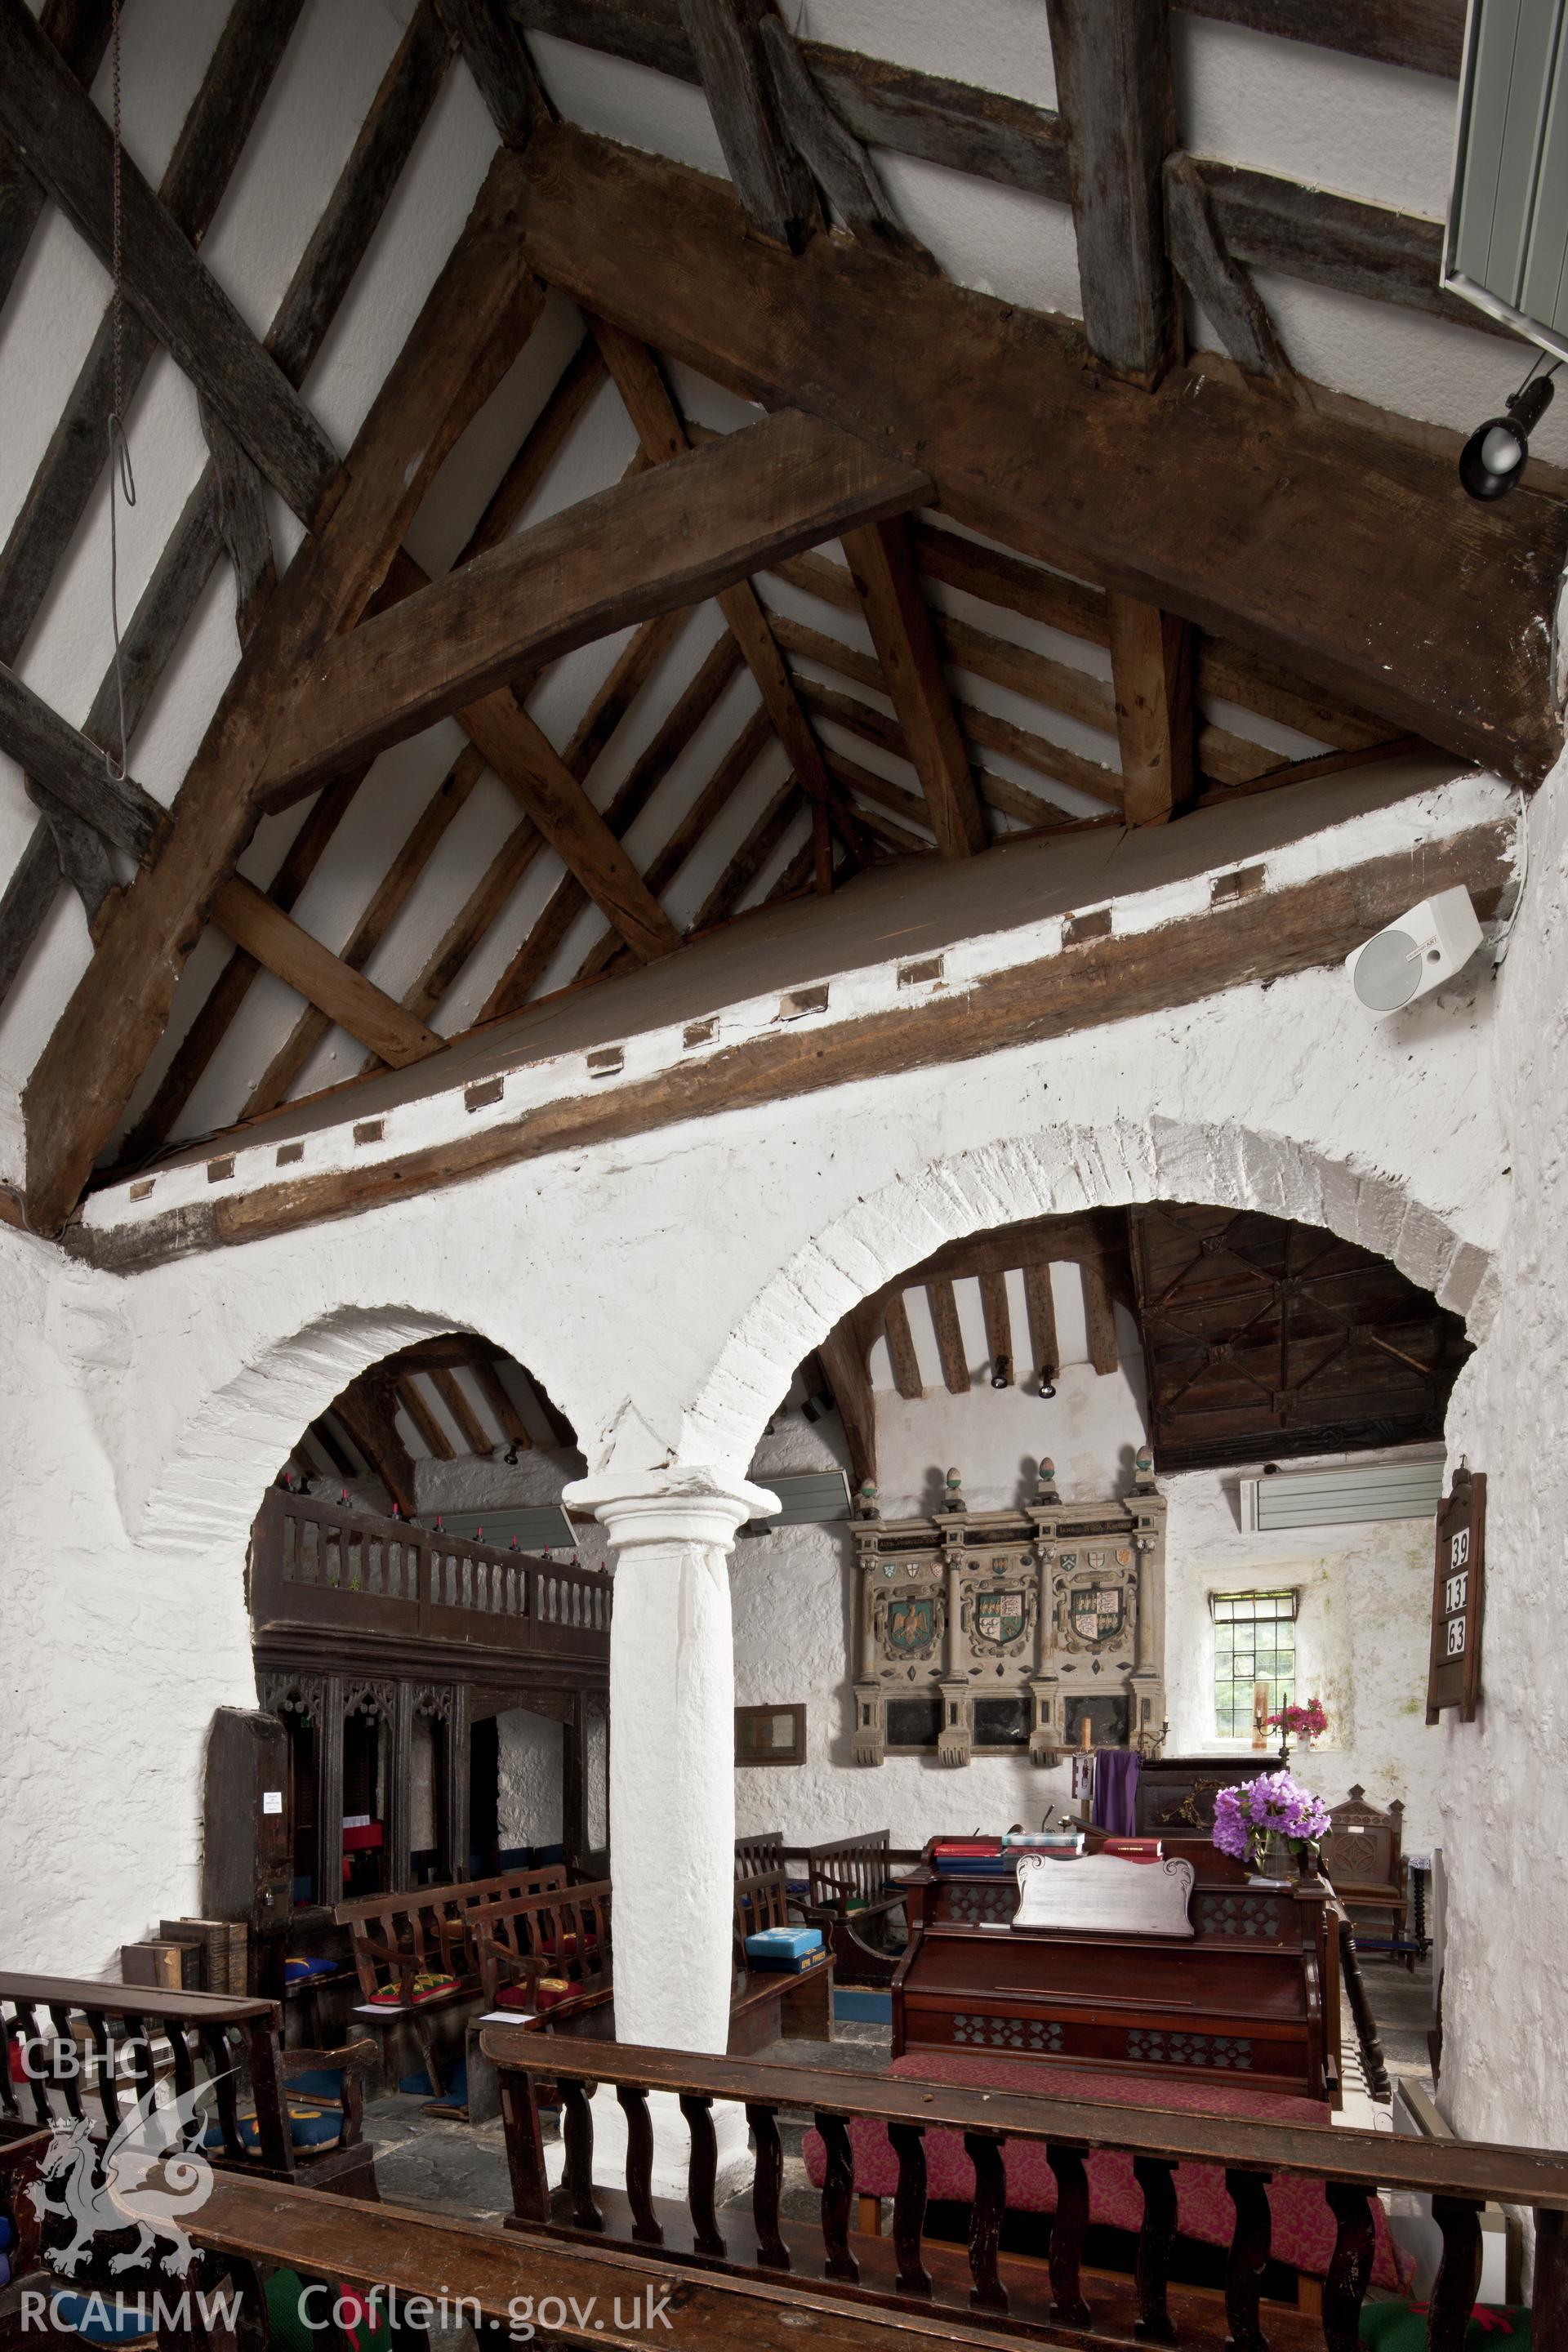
x,y
1272,1856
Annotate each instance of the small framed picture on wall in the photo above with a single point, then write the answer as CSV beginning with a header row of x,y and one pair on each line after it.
x,y
770,1735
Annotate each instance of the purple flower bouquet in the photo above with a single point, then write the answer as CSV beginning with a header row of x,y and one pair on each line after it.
x,y
1274,1805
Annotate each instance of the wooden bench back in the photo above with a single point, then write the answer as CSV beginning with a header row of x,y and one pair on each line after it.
x,y
763,1850
762,1901
563,1932
1364,1848
394,1937
850,1869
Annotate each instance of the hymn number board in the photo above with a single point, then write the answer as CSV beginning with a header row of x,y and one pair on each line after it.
x,y
1454,1678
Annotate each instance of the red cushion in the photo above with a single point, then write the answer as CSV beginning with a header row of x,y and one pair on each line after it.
x,y
515,1996
1303,2227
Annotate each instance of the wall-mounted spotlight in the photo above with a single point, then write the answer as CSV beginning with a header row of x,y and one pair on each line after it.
x,y
1492,459
1002,1377
1048,1380
509,1456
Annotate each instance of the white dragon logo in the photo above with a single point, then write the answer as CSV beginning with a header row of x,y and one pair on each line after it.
x,y
151,2173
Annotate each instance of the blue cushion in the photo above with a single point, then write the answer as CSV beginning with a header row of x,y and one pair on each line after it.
x,y
313,2122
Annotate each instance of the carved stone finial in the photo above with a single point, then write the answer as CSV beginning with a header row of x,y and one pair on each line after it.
x,y
952,1499
1046,1480
1143,1469
866,1498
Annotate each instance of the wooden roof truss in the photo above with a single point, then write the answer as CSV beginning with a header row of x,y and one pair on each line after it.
x,y
355,645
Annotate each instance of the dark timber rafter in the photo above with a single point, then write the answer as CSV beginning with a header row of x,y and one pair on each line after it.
x,y
469,330
334,254
663,434
881,563
1113,77
54,126
501,64
992,399
774,185
1112,62
237,81
248,52
1267,221
665,538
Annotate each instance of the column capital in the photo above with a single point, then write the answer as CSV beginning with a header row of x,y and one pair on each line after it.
x,y
679,1505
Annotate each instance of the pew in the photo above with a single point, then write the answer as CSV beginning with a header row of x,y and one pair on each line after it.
x,y
567,1934
561,1932
1263,2180
414,1956
768,2004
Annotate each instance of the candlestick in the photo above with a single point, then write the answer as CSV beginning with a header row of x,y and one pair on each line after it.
x,y
1260,1712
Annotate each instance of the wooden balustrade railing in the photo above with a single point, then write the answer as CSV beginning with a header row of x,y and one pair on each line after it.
x,y
88,2052
1458,2178
590,2296
316,1563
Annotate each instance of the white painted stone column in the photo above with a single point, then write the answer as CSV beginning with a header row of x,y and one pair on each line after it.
x,y
672,1780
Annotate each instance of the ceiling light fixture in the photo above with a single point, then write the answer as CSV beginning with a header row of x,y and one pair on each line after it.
x,y
1002,1376
1048,1380
1492,459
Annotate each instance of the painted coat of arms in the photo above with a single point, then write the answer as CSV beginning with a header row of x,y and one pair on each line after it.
x,y
999,1617
910,1624
1097,1612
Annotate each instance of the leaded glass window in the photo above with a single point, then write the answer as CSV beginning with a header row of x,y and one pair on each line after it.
x,y
1253,1642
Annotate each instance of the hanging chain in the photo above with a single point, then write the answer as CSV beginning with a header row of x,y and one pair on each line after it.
x,y
121,480
118,298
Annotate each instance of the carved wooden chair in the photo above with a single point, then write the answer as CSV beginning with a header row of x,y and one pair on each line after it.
x,y
1362,1857
860,1904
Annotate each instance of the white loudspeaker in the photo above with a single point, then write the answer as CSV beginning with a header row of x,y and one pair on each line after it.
x,y
1417,953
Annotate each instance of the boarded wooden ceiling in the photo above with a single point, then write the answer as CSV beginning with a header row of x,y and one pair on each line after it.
x,y
1265,1337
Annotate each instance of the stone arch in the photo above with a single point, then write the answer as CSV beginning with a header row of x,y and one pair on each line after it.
x,y
1060,1168
231,1447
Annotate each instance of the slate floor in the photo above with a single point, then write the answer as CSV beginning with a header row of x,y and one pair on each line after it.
x,y
453,2167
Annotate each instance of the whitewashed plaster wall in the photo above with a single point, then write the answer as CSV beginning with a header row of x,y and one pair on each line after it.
x,y
1362,1636
111,1659
662,1288
1361,1639
1502,1779
530,1808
